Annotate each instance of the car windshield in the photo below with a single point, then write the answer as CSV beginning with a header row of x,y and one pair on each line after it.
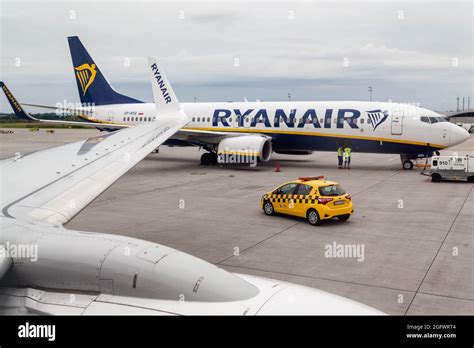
x,y
332,190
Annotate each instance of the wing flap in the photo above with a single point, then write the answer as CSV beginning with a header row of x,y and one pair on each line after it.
x,y
202,136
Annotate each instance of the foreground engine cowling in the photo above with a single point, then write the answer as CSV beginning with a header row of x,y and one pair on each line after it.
x,y
244,148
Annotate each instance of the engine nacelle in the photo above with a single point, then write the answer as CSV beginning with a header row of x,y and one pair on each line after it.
x,y
245,149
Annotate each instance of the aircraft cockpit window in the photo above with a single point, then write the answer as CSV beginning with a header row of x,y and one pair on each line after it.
x,y
434,119
425,119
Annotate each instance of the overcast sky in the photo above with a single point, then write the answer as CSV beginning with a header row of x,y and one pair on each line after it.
x,y
414,51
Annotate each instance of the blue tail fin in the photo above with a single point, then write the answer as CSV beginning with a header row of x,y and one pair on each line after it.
x,y
92,85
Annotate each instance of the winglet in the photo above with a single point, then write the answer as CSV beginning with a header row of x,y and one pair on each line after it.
x,y
16,106
163,94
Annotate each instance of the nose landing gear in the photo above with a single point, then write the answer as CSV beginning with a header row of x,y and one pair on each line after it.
x,y
407,163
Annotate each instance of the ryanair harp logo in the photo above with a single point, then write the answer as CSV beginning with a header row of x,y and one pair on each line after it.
x,y
377,117
85,74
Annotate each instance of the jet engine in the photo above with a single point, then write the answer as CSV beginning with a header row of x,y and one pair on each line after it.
x,y
244,148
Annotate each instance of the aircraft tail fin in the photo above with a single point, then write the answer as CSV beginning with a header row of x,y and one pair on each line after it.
x,y
93,87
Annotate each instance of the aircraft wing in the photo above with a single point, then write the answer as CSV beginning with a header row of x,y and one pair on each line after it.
x,y
53,185
22,114
195,136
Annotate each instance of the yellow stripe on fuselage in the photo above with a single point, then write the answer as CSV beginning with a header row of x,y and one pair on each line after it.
x,y
314,134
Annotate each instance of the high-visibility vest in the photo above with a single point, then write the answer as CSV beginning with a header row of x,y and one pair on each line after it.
x,y
339,151
347,151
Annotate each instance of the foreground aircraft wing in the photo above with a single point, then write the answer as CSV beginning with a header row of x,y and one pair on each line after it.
x,y
206,137
22,114
57,183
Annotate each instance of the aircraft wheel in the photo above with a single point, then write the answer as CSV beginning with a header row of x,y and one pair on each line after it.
x,y
213,158
407,165
470,179
206,159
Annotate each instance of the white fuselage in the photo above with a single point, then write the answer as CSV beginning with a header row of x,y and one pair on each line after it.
x,y
365,126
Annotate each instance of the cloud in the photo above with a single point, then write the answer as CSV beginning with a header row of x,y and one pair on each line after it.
x,y
225,50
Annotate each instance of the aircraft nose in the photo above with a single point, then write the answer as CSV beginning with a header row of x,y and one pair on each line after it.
x,y
458,135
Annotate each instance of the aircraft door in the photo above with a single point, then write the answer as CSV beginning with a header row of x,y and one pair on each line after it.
x,y
110,116
397,123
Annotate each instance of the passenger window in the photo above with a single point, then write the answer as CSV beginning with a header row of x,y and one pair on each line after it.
x,y
194,119
321,120
199,119
208,119
304,190
287,189
361,121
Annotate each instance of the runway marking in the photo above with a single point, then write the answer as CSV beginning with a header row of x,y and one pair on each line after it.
x,y
440,246
263,240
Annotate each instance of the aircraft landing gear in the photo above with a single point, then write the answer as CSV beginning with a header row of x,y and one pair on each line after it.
x,y
208,158
407,163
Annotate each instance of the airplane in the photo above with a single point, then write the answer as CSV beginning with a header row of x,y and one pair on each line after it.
x,y
257,129
48,269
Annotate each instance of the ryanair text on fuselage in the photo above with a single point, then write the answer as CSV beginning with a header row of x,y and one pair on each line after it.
x,y
290,119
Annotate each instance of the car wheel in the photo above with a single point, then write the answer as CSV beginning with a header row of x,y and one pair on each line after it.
x,y
344,217
268,208
313,217
435,177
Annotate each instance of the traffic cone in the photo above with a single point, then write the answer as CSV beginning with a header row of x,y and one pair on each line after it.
x,y
277,167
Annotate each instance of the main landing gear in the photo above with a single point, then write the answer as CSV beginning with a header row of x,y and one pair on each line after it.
x,y
208,158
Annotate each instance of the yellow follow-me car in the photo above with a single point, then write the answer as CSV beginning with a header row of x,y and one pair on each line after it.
x,y
313,198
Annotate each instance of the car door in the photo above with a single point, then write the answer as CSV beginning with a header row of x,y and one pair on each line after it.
x,y
299,200
284,202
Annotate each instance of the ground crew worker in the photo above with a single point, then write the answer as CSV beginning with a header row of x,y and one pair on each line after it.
x,y
347,157
339,157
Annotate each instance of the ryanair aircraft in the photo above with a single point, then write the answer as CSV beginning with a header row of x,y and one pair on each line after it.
x,y
46,269
257,129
